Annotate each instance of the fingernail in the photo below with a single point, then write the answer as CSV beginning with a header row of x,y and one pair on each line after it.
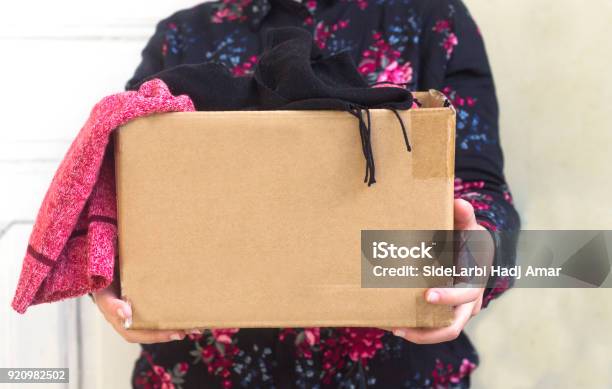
x,y
127,323
400,333
195,331
175,337
433,297
120,313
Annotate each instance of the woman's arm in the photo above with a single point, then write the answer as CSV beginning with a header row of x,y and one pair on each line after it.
x,y
458,66
453,60
115,310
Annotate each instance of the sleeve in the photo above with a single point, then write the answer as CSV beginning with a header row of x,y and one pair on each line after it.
x,y
456,63
153,55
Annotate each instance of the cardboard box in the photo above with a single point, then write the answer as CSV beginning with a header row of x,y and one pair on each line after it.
x,y
254,219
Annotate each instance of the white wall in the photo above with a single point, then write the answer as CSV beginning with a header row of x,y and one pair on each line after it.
x,y
551,59
56,63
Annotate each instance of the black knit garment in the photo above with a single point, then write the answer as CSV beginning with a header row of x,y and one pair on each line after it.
x,y
291,74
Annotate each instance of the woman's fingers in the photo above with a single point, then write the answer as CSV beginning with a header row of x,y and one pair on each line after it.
x,y
467,301
478,305
464,215
149,336
119,314
112,307
438,335
452,296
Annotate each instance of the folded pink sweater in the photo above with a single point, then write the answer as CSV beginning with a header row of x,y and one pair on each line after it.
x,y
72,247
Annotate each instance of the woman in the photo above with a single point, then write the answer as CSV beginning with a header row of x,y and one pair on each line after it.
x,y
420,43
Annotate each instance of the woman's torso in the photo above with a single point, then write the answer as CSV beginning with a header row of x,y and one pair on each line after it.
x,y
389,41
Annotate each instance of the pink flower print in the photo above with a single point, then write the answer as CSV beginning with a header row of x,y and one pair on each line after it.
x,y
194,337
224,335
311,5
382,57
219,361
361,343
333,358
442,26
183,367
325,31
466,367
220,15
488,225
445,27
362,4
312,335
396,74
245,68
367,65
449,44
502,284
217,352
230,10
468,190
462,187
508,196
306,340
457,100
443,376
321,34
160,378
358,344
284,332
479,201
207,353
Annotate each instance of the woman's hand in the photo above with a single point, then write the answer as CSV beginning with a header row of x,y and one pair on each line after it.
x,y
466,301
119,314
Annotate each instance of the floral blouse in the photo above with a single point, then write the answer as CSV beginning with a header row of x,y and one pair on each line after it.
x,y
421,43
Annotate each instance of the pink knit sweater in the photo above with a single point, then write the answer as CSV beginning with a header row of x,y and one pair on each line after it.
x,y
71,250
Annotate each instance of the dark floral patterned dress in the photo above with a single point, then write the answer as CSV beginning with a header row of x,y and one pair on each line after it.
x,y
421,43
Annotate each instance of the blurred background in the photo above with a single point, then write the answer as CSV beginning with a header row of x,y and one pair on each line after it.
x,y
551,61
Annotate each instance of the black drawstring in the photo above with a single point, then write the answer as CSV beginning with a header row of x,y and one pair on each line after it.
x,y
365,131
399,118
366,144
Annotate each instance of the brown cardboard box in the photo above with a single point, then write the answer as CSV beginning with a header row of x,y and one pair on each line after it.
x,y
253,219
